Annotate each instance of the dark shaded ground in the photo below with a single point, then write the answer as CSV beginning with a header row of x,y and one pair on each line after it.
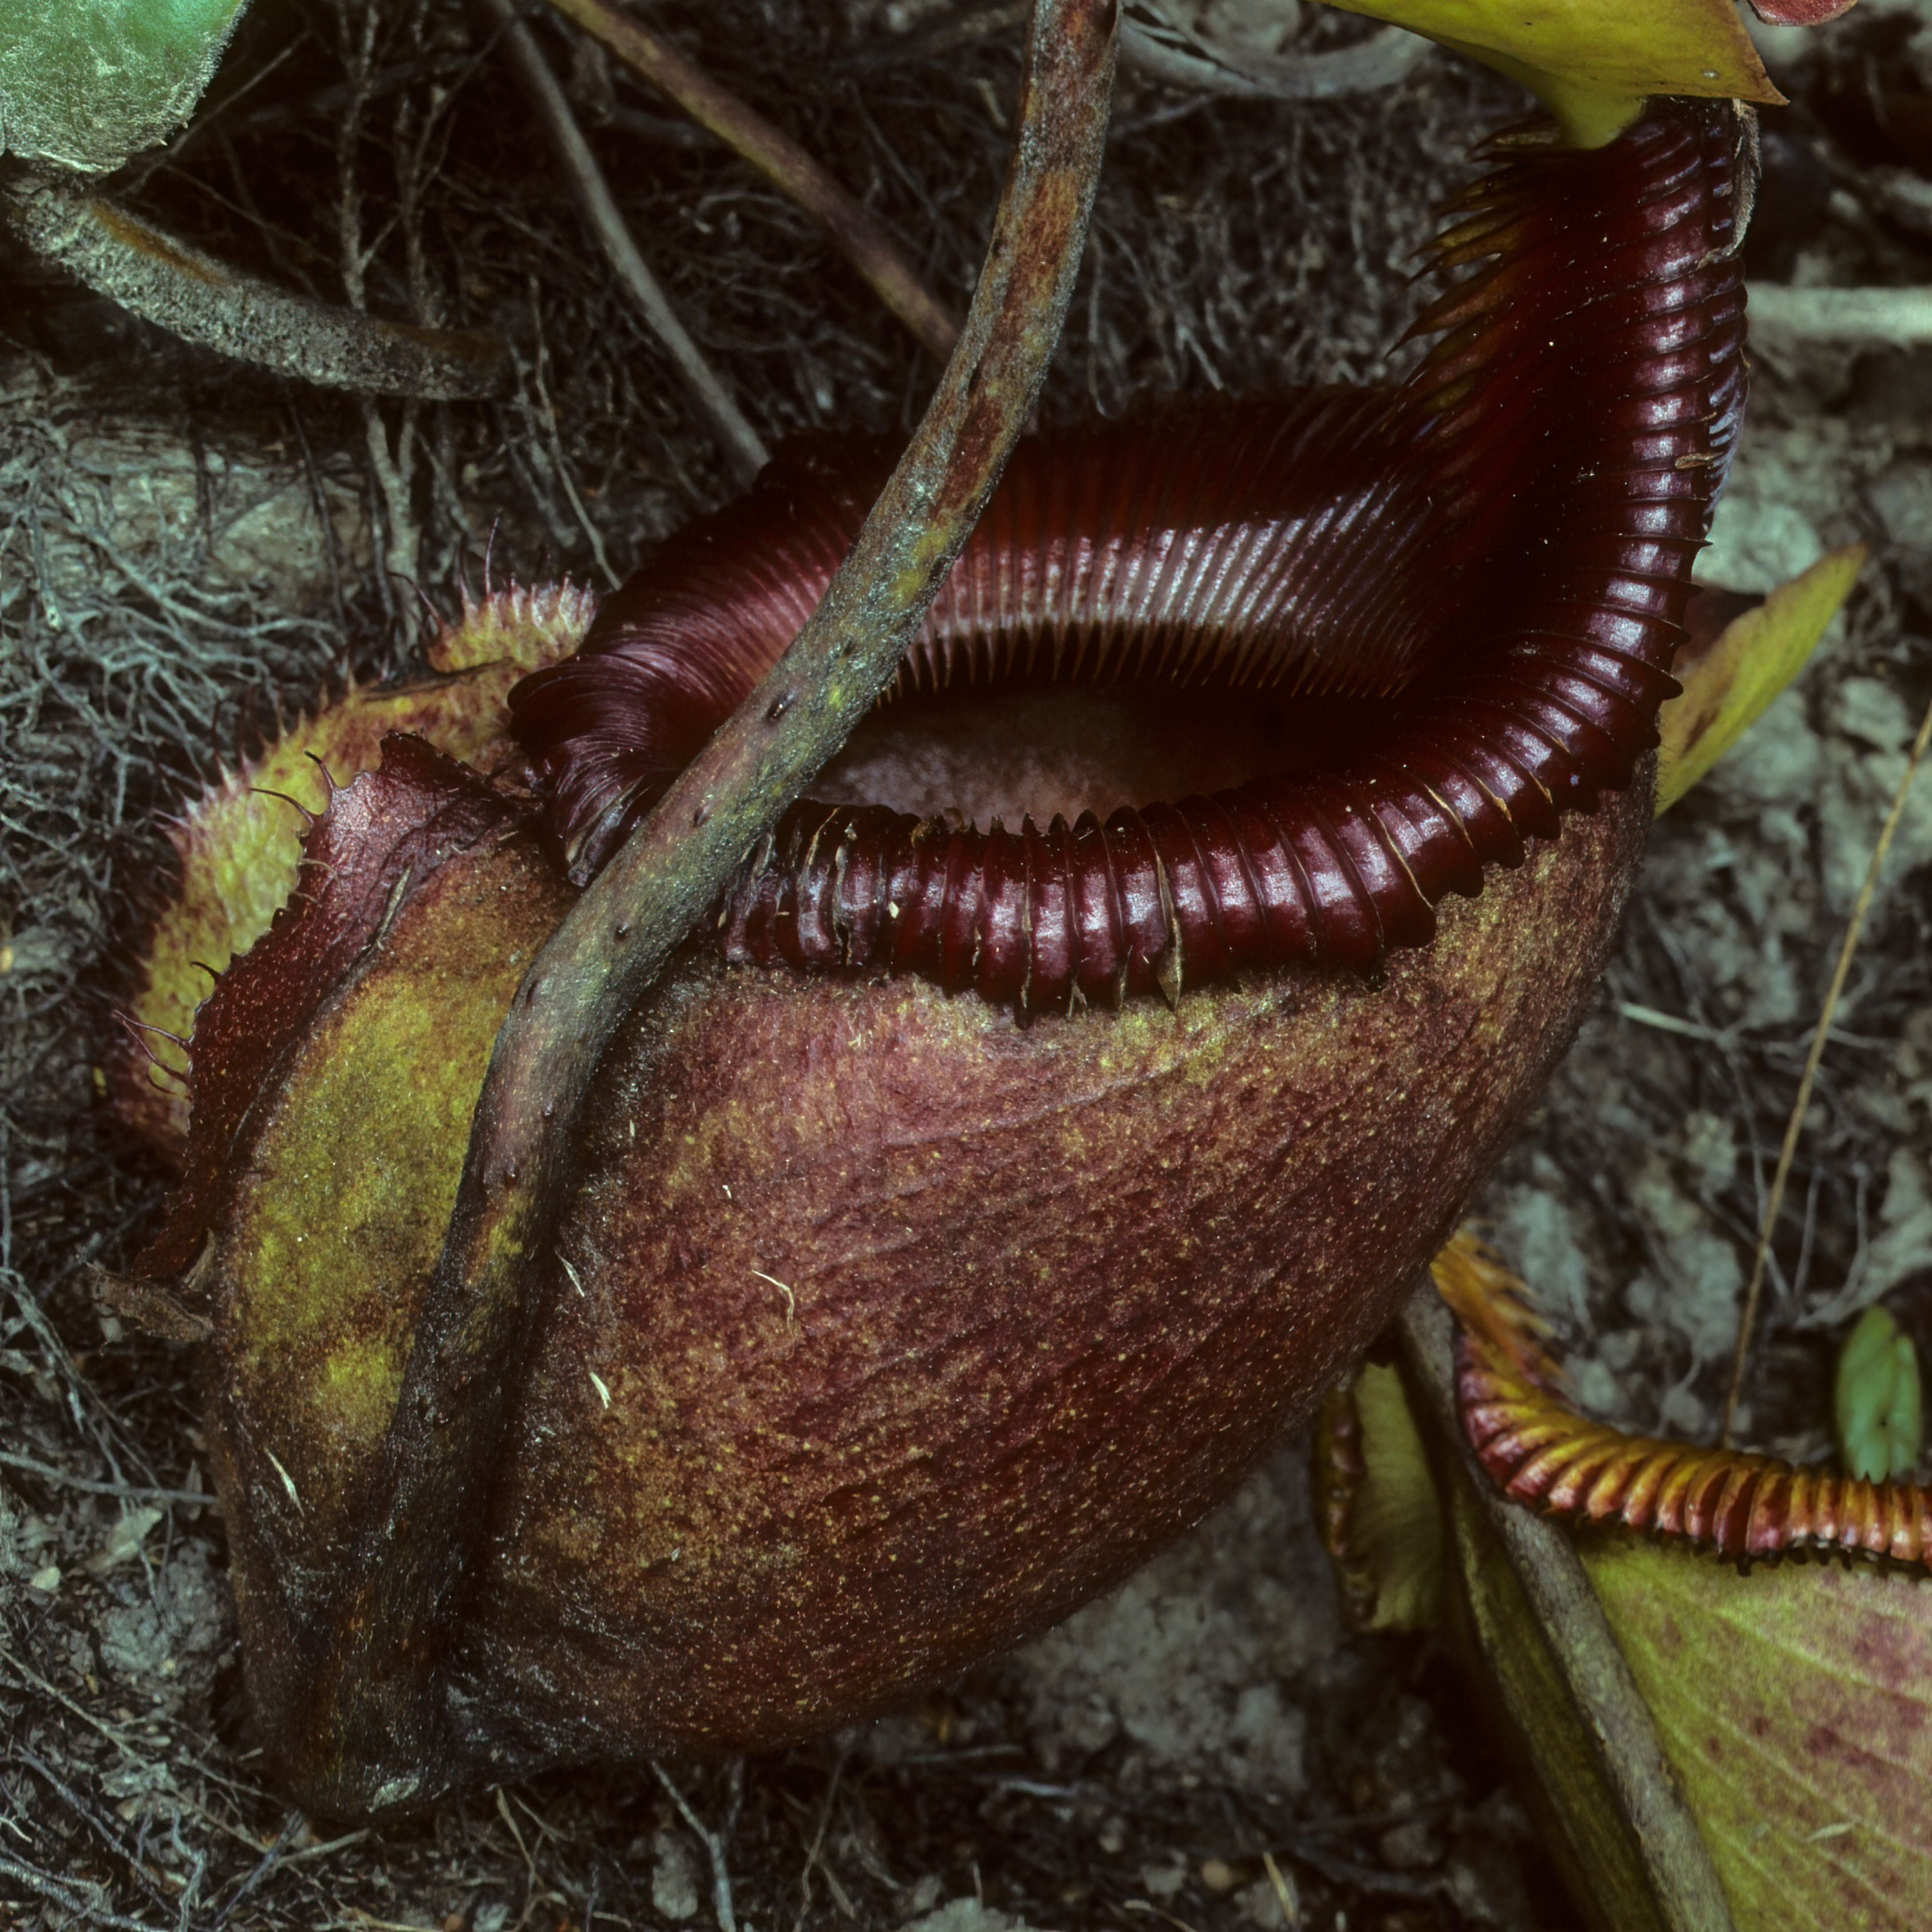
x,y
168,591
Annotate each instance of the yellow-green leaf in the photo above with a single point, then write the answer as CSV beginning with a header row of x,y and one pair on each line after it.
x,y
1727,685
1396,1537
1795,1703
1594,61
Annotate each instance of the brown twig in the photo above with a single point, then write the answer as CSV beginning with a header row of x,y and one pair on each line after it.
x,y
165,280
126,1493
851,227
742,443
378,1733
1820,1038
392,459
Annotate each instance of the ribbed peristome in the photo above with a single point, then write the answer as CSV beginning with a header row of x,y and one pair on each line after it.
x,y
1498,554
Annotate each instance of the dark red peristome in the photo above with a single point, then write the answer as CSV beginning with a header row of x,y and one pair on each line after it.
x,y
1501,550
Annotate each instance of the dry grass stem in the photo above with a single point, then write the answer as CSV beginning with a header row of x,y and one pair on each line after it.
x,y
559,459
1800,1106
130,1493
717,1844
852,228
1284,1893
815,1850
742,442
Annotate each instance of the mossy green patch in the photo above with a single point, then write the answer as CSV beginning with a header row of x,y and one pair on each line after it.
x,y
354,1173
358,1386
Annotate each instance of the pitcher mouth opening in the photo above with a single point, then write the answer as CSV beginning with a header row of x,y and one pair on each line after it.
x,y
1032,748
1369,642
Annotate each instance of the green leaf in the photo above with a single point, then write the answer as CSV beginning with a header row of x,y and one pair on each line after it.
x,y
1795,1703
1875,1400
1593,62
1521,1616
85,83
1789,1702
1727,685
1396,1538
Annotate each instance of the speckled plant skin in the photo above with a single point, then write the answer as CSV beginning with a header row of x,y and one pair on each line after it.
x,y
884,1329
